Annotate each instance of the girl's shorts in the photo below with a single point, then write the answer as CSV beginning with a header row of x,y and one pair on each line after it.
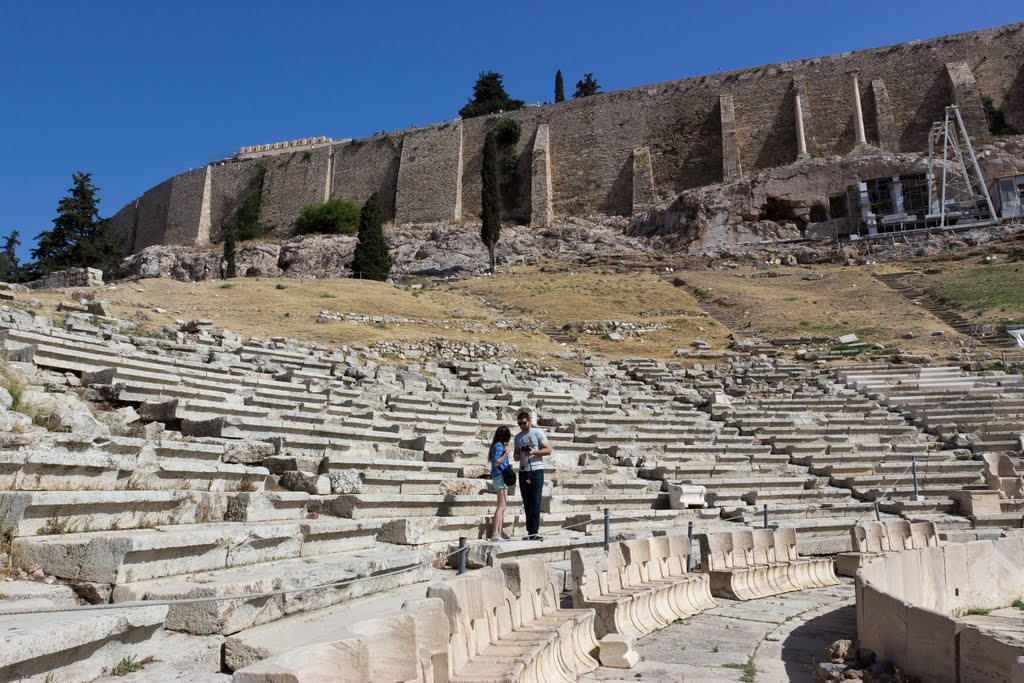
x,y
499,482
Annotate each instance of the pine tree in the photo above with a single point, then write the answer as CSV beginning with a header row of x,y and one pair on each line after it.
x,y
372,259
229,253
490,197
79,238
587,87
10,269
559,87
489,96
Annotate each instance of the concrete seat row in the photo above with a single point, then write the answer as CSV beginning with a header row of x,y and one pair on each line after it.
x,y
640,586
757,563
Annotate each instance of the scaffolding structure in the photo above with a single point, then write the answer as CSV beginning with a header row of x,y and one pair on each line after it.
x,y
960,196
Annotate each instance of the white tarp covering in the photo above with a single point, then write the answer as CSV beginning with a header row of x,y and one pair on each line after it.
x,y
1019,336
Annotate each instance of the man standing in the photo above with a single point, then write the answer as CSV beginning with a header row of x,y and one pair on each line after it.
x,y
530,448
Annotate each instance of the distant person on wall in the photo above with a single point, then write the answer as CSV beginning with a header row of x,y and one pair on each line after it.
x,y
223,269
206,272
530,448
501,468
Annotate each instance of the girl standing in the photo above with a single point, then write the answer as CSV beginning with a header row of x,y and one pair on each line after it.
x,y
498,458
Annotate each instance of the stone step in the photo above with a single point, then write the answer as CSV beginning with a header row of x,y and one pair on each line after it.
x,y
116,557
319,626
404,566
54,470
76,646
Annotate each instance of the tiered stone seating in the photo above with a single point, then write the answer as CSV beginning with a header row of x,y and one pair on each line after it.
x,y
875,538
639,586
949,403
749,564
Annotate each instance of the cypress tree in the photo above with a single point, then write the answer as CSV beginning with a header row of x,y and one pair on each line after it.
x,y
490,196
372,260
229,253
559,87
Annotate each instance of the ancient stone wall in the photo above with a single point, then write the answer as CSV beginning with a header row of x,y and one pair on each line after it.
x,y
230,184
184,211
292,182
697,131
429,181
151,216
365,166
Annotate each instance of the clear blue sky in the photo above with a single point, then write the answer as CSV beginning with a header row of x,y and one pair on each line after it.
x,y
136,91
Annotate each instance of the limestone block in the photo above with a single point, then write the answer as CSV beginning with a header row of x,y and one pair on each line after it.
x,y
617,651
931,645
392,646
683,496
431,636
76,646
343,660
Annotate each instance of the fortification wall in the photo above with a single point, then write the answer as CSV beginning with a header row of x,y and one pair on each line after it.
x,y
365,166
293,181
696,131
429,174
151,217
230,184
185,207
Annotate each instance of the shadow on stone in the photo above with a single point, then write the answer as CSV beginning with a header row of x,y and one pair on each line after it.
x,y
803,647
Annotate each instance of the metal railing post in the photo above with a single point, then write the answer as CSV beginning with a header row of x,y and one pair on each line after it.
x,y
878,513
462,554
917,495
607,529
689,557
766,515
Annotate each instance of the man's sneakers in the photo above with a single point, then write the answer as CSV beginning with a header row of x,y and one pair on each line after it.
x,y
533,537
499,537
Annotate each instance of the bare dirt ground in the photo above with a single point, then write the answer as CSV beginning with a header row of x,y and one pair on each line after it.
x,y
846,300
520,307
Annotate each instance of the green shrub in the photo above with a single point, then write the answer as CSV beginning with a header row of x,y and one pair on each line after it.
x,y
507,132
333,217
996,119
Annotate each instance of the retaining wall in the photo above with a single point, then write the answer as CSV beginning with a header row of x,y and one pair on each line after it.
x,y
696,131
910,608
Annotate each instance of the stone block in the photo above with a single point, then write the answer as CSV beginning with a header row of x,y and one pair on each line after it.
x,y
321,663
617,651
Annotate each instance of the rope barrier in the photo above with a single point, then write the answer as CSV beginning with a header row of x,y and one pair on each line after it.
x,y
444,557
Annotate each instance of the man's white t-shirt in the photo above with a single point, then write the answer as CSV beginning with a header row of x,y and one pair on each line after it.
x,y
536,440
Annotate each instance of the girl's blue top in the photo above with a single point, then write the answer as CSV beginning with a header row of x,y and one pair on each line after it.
x,y
498,450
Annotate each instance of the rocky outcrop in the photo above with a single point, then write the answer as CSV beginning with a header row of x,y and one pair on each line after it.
x,y
791,202
437,249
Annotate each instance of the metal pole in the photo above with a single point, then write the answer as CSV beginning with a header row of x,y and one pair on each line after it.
x,y
878,513
916,493
766,515
689,535
462,554
607,529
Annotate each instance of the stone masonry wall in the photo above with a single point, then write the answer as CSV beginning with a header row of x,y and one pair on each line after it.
x,y
231,183
185,207
292,182
429,182
592,139
362,167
